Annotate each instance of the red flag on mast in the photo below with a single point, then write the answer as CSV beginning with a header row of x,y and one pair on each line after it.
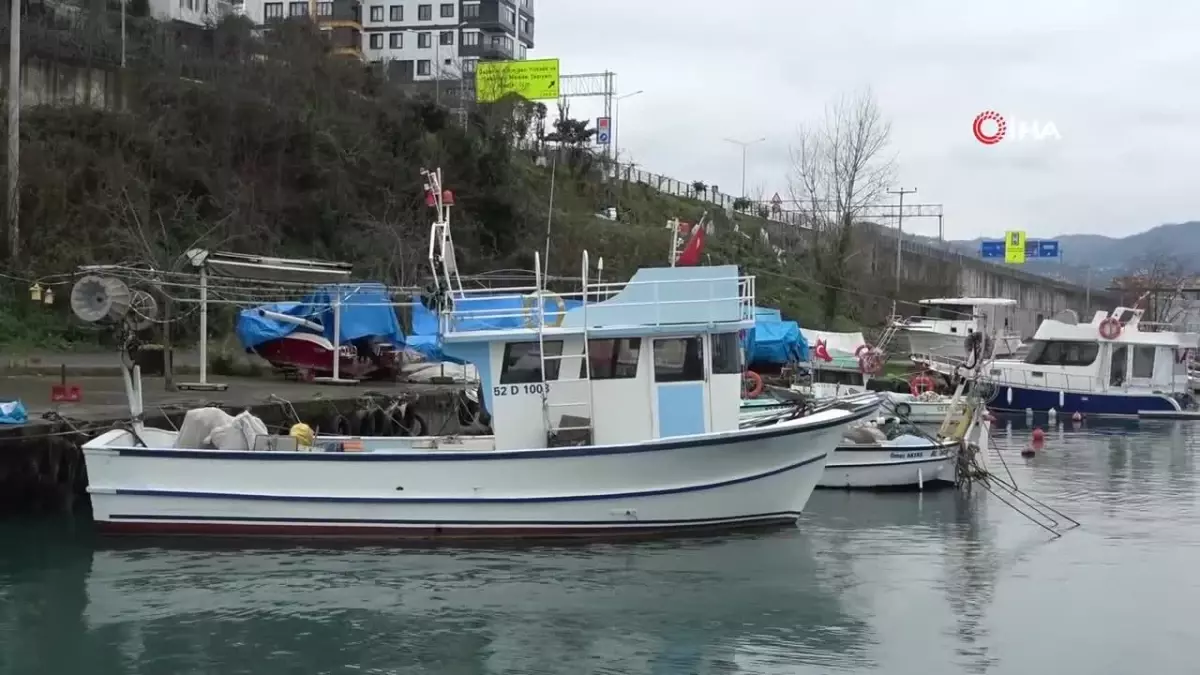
x,y
690,255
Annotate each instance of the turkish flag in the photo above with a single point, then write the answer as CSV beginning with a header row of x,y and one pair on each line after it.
x,y
690,255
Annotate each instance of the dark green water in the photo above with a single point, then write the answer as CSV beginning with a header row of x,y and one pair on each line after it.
x,y
893,583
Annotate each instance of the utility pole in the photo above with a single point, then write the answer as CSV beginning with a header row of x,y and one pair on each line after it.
x,y
745,145
123,32
616,121
900,231
14,131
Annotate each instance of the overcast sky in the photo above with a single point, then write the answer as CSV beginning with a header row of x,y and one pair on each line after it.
x,y
1116,79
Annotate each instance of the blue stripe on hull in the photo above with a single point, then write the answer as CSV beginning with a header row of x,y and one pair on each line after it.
x,y
1042,400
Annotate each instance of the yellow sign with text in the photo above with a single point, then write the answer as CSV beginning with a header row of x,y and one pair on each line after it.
x,y
1014,247
533,80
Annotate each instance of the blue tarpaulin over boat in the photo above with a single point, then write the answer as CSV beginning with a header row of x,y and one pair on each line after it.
x,y
774,340
471,314
366,312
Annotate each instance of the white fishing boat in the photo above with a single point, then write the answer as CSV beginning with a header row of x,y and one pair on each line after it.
x,y
924,408
614,411
943,324
867,458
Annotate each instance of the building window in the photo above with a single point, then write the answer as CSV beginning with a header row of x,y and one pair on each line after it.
x,y
396,13
524,26
1052,353
679,360
297,9
424,12
376,12
610,359
1143,361
522,361
726,354
470,10
324,9
376,40
510,15
273,10
526,4
521,52
424,40
446,10
423,69
468,66
446,38
470,39
396,40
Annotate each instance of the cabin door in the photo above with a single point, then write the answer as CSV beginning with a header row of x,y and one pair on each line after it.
x,y
679,393
1118,368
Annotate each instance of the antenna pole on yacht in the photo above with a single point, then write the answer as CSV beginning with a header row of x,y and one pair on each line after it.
x,y
550,212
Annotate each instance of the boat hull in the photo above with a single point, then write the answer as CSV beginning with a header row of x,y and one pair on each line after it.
x,y
944,344
1018,399
915,410
918,466
714,481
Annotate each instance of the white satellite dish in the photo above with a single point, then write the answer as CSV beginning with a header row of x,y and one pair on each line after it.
x,y
95,298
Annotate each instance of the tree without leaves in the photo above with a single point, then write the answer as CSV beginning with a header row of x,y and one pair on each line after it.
x,y
838,168
1157,282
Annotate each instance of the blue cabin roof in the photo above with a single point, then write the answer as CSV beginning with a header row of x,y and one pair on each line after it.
x,y
656,300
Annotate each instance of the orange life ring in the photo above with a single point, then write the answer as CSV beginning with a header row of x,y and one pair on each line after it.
x,y
1110,328
920,384
861,349
756,383
870,363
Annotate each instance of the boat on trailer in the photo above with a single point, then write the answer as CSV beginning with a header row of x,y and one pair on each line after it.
x,y
616,417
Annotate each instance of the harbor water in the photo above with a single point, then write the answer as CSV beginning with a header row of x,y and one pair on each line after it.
x,y
895,583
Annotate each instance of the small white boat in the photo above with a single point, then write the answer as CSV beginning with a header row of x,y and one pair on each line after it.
x,y
615,411
867,459
925,408
943,324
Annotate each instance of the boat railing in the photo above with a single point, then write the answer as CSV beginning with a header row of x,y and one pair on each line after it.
x,y
516,307
1167,327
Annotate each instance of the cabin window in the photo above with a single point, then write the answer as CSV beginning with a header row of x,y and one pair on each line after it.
x,y
523,362
612,359
1143,361
948,312
822,376
726,354
1060,353
679,360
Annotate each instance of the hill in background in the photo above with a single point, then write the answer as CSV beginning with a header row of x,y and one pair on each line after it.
x,y
1095,259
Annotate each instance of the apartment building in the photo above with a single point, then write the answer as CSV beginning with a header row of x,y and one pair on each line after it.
x,y
432,39
339,20
194,12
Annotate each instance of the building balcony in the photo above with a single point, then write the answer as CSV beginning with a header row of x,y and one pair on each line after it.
x,y
487,50
339,14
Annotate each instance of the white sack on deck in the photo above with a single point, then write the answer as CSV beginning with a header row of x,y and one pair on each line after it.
x,y
239,433
198,425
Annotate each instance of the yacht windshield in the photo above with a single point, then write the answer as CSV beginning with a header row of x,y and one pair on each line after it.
x,y
948,312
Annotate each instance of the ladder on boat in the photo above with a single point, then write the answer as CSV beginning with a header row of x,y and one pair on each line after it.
x,y
568,429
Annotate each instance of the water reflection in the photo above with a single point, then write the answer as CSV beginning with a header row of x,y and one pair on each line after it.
x,y
667,607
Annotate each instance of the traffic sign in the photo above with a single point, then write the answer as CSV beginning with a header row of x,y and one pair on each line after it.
x,y
776,200
1014,247
1034,248
603,130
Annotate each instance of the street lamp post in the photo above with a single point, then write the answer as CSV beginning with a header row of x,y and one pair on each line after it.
x,y
437,85
617,120
745,145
